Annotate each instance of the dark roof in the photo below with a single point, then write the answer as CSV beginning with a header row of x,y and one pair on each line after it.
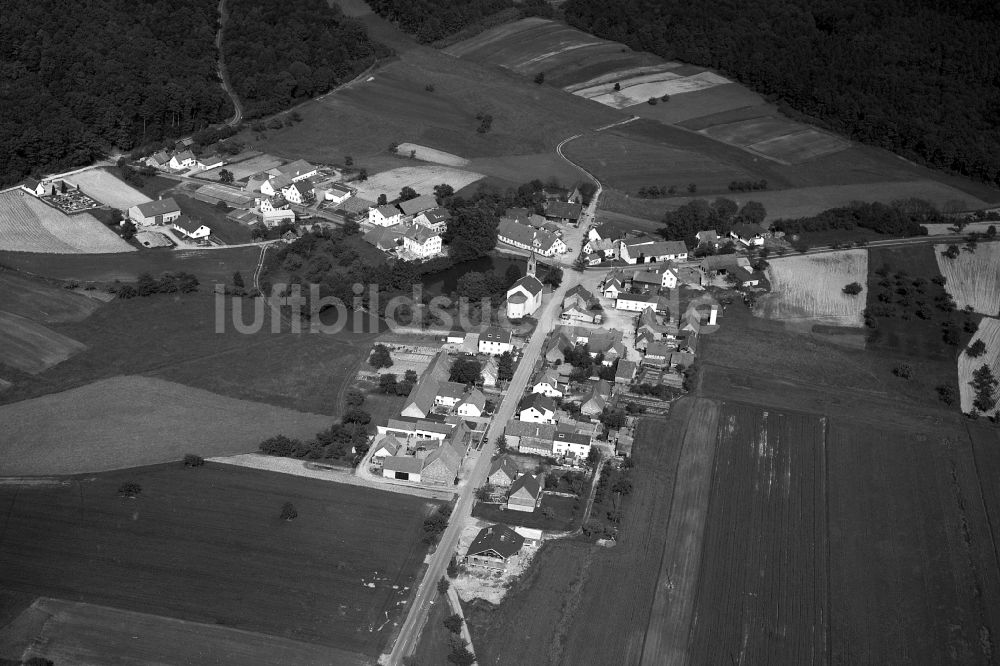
x,y
572,438
517,428
504,464
610,231
748,230
500,539
540,402
187,224
406,464
436,215
388,211
495,334
564,210
532,284
160,207
528,482
418,205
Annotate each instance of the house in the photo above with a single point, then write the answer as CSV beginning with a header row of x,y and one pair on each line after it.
x,y
680,360
613,284
495,340
594,259
207,162
295,171
503,472
163,211
536,408
556,345
406,427
606,231
182,160
525,494
255,182
441,466
387,446
576,313
435,219
189,228
562,211
473,404
490,371
421,241
402,468
692,323
579,295
525,295
598,340
158,160
300,192
745,277
647,250
422,398
418,205
657,355
604,247
649,279
525,237
625,373
384,216
669,277
387,239
524,435
493,546
274,185
721,264
548,384
640,302
748,234
337,192
449,393
571,445
596,399
708,238
688,275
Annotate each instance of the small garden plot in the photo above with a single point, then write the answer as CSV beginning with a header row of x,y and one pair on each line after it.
x,y
422,179
108,189
431,155
811,287
973,277
32,348
989,334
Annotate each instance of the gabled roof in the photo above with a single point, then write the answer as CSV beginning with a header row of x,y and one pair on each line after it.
x,y
384,238
161,157
423,394
650,247
389,443
516,428
498,539
295,169
418,205
475,398
707,236
530,283
187,224
159,207
626,369
504,464
450,390
526,482
446,456
602,387
581,292
564,210
340,188
495,334
406,464
744,230
419,234
719,262
437,215
647,319
648,276
549,376
540,402
608,231
184,155
525,235
387,210
658,349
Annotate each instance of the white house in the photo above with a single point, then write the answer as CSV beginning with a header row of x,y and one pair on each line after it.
x,y
639,302
189,228
421,241
526,237
300,192
274,185
449,394
708,238
163,211
749,234
571,445
34,187
647,250
613,284
472,405
525,295
337,193
548,384
207,162
384,216
387,446
670,275
495,340
436,219
537,408
605,247
158,160
183,160
295,171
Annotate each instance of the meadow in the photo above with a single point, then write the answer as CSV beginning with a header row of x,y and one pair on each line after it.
x,y
108,189
422,179
28,225
130,421
810,288
973,277
41,301
31,347
989,333
207,545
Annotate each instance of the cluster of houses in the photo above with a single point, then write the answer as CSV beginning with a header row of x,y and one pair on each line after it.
x,y
181,158
607,242
166,212
409,229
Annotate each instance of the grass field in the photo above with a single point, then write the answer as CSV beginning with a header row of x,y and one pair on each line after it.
x,y
28,225
810,287
426,154
973,277
207,545
692,106
225,229
639,89
420,178
108,189
132,421
989,333
31,347
43,302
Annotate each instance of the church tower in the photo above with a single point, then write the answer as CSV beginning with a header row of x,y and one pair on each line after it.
x,y
531,265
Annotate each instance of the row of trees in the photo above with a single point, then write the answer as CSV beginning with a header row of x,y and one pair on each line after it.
x,y
899,218
699,215
346,441
147,285
914,76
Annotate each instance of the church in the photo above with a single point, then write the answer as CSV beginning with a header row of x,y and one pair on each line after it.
x,y
524,297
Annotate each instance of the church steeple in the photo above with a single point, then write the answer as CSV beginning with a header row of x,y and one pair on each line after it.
x,y
531,265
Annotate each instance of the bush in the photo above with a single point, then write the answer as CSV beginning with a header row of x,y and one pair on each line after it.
x,y
903,370
853,289
129,489
976,349
191,460
288,511
380,357
454,623
443,586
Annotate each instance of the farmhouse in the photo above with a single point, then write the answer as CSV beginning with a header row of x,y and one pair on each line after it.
x,y
493,546
189,228
562,211
613,284
449,393
503,472
657,355
435,219
640,302
525,494
182,160
708,238
525,435
748,234
384,216
495,340
548,384
207,162
571,445
537,408
421,242
402,468
336,192
606,231
300,192
387,239
525,237
424,395
418,205
580,297
473,404
594,401
274,185
158,160
387,446
525,295
163,211
647,250
625,373
441,466
295,171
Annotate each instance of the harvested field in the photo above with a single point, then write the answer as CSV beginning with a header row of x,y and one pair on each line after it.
x,y
612,78
989,333
46,303
810,287
778,138
108,189
973,277
431,155
420,178
640,89
32,348
746,132
206,545
28,225
518,169
945,229
245,169
724,97
762,586
132,421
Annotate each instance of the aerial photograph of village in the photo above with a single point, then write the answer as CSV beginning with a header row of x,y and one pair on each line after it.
x,y
499,332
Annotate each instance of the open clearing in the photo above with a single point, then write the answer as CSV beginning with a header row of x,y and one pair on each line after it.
x,y
810,287
28,225
431,155
245,169
42,302
973,277
691,105
989,333
638,90
132,421
420,178
108,189
32,348
206,545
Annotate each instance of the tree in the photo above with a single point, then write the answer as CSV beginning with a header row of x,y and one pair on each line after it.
x,y
984,384
945,393
288,511
127,230
548,513
410,376
191,460
461,657
443,585
903,370
484,493
692,188
540,78
580,264
238,280
354,398
651,101
505,367
348,161
129,490
554,277
443,191
952,252
452,570
387,383
752,212
454,623
407,193
465,371
356,415
380,358
853,289
382,200
363,175
225,176
976,349
257,231
618,86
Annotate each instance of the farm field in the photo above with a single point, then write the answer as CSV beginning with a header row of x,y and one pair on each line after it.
x,y
244,169
989,333
426,154
228,231
517,169
206,545
28,225
810,288
762,586
31,347
777,137
973,277
108,189
132,421
420,178
639,89
692,106
42,302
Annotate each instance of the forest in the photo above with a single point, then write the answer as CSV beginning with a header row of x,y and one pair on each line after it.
x,y
79,78
278,54
917,77
432,20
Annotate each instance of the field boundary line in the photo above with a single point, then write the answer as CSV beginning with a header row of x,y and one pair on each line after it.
x,y
982,500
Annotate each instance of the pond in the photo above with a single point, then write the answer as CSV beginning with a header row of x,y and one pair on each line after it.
x,y
446,281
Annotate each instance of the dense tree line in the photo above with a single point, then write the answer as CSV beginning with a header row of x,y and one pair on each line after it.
x,y
431,20
918,77
900,218
699,215
279,53
80,77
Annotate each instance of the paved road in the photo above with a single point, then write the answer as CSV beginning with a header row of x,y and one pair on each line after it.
x,y
409,634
